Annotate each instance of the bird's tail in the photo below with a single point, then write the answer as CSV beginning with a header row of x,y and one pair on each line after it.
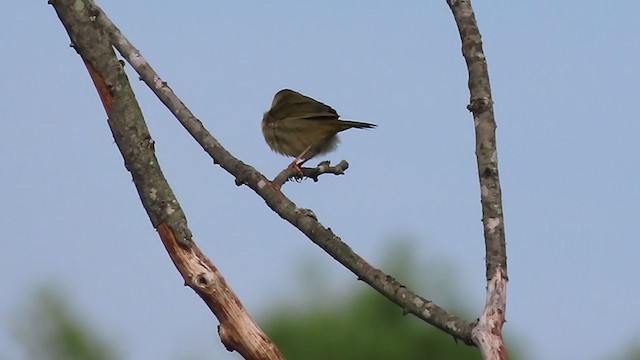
x,y
348,124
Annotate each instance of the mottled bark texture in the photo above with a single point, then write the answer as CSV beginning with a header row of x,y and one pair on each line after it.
x,y
487,334
237,330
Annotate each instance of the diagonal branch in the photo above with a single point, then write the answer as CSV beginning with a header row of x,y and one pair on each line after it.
x,y
302,219
488,332
237,330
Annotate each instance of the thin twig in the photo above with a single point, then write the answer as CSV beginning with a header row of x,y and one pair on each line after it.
x,y
311,173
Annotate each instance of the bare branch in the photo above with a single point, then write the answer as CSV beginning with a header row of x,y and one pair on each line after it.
x,y
279,203
311,173
488,332
237,330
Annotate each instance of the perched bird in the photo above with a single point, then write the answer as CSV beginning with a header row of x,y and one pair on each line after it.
x,y
299,126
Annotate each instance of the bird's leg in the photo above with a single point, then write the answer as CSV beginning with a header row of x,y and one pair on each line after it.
x,y
294,164
303,161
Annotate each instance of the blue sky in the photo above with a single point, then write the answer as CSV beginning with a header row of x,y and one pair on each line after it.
x,y
564,79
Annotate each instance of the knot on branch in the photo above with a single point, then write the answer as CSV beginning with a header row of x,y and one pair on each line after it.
x,y
479,105
203,280
306,212
243,176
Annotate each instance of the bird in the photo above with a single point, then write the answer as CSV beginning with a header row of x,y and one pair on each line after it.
x,y
299,126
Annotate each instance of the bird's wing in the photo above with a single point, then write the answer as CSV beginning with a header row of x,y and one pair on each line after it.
x,y
291,104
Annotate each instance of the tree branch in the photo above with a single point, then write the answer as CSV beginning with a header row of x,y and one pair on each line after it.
x,y
311,173
302,219
488,332
237,330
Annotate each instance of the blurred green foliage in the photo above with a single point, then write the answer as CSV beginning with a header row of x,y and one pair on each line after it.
x,y
365,325
632,353
357,324
49,330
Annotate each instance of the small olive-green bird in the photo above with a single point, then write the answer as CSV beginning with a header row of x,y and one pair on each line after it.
x,y
299,126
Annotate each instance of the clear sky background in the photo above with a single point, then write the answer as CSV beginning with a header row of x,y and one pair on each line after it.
x,y
565,83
